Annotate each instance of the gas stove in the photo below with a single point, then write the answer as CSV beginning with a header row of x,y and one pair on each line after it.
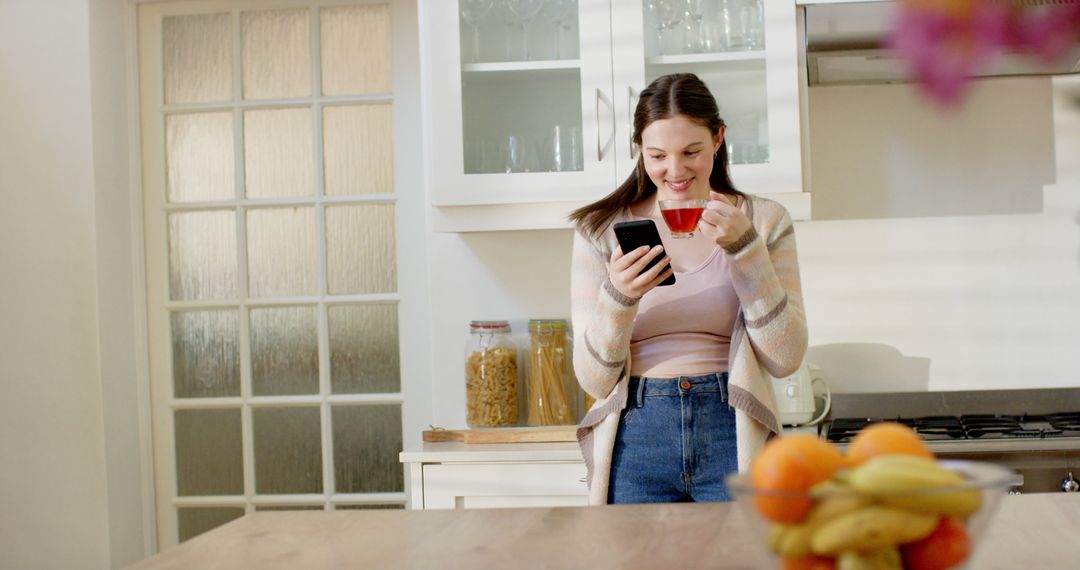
x,y
1034,432
969,426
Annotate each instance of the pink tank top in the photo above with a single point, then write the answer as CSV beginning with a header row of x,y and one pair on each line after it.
x,y
685,329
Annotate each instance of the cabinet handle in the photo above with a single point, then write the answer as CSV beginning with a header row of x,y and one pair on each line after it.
x,y
631,104
599,148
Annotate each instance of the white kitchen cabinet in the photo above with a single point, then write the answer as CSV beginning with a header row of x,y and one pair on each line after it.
x,y
522,128
452,475
458,476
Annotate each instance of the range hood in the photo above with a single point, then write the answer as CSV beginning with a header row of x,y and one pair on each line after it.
x,y
844,46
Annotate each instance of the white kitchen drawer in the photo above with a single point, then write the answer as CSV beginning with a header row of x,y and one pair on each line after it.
x,y
487,485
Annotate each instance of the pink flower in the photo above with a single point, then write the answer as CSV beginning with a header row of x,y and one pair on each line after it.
x,y
944,45
946,41
1046,32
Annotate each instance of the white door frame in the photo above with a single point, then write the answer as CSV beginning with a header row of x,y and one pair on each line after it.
x,y
414,301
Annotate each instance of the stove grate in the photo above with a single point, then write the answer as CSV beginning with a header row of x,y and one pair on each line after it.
x,y
969,426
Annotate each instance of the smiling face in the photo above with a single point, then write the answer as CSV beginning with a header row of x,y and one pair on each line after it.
x,y
678,155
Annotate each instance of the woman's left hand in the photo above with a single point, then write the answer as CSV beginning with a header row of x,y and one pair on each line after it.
x,y
722,222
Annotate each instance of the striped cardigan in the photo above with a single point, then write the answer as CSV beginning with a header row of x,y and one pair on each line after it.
x,y
769,337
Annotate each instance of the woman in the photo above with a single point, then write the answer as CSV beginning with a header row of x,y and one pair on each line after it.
x,y
681,373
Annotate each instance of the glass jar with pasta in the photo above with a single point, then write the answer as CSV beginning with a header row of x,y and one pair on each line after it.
x,y
491,375
549,384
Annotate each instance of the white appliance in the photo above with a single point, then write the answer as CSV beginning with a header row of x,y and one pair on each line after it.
x,y
795,396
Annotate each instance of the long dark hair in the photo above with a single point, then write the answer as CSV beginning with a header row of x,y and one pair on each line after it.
x,y
667,96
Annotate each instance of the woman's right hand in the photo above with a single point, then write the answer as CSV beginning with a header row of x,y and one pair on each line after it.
x,y
625,270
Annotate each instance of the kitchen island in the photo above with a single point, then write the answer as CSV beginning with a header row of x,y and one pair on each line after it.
x,y
1028,531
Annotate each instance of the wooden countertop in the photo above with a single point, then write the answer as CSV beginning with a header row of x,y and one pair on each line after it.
x,y
1029,531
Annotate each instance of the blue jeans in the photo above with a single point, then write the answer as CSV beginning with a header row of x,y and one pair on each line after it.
x,y
676,441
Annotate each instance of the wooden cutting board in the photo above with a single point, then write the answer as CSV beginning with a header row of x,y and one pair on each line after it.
x,y
538,434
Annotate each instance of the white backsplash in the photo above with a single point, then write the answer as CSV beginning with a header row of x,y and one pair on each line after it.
x,y
514,276
986,300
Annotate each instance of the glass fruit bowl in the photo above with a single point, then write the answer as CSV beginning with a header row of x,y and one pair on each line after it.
x,y
890,512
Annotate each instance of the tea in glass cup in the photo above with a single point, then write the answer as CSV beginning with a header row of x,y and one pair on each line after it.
x,y
682,216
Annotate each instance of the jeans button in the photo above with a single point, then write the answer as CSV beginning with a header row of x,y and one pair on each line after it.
x,y
685,384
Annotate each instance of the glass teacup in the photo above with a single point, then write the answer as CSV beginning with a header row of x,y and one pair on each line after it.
x,y
682,216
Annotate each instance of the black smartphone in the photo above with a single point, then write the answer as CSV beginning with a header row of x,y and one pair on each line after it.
x,y
636,233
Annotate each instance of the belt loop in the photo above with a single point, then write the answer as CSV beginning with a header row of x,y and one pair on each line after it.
x,y
641,392
721,379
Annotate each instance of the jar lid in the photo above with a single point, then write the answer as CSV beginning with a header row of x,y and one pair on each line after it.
x,y
491,326
547,324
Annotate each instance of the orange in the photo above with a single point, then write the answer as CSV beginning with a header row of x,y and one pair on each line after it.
x,y
886,438
822,458
781,476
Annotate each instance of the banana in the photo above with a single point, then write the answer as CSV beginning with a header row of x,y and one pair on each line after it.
x,y
841,476
902,481
960,504
833,506
793,541
883,559
897,473
776,531
829,487
870,528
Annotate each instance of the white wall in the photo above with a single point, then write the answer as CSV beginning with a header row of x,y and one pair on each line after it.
x,y
53,507
881,151
982,291
959,295
514,276
130,495
71,493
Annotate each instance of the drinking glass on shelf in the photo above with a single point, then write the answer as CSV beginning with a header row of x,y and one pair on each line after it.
x,y
524,11
753,154
557,149
560,11
743,152
712,26
721,24
735,153
575,156
666,14
473,11
693,40
519,157
490,159
747,23
562,149
509,20
757,33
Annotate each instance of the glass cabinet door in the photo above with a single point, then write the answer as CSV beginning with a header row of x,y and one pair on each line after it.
x,y
745,51
520,107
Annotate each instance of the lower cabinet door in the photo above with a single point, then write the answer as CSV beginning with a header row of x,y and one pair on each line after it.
x,y
469,486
